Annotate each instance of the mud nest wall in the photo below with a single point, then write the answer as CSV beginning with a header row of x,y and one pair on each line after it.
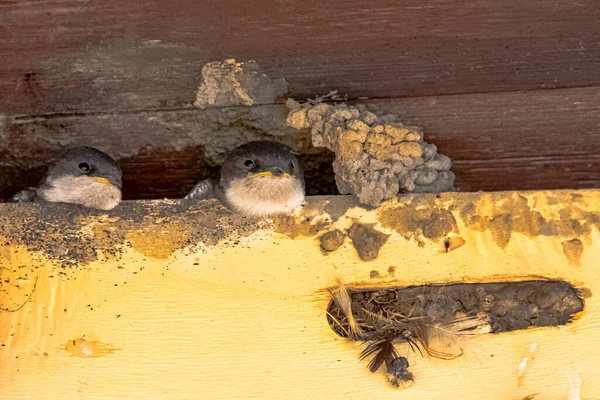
x,y
507,306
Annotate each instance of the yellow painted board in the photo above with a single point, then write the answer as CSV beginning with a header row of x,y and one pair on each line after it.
x,y
155,300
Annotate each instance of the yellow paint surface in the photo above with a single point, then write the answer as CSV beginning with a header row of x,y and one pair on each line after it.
x,y
245,318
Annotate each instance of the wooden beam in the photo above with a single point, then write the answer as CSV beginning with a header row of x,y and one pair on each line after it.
x,y
82,56
155,299
498,141
513,141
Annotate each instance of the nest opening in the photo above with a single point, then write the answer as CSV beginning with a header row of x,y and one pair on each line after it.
x,y
500,307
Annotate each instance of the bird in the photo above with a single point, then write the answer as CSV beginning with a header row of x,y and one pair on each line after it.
x,y
81,175
259,178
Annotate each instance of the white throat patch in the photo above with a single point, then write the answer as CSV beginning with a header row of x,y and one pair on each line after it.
x,y
83,190
265,195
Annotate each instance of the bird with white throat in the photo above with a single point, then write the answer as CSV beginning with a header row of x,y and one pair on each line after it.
x,y
260,178
81,175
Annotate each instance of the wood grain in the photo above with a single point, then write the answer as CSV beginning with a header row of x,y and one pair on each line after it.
x,y
76,55
245,317
513,141
498,141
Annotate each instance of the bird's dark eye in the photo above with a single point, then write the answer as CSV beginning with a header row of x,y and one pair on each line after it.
x,y
84,167
291,166
249,163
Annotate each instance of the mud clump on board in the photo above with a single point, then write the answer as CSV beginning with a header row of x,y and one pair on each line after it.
x,y
573,249
505,215
508,306
367,241
293,226
231,83
376,156
452,243
419,217
332,240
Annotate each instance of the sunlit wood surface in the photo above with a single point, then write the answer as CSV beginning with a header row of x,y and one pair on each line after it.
x,y
157,301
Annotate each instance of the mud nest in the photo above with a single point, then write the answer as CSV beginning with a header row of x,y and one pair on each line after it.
x,y
433,320
507,306
376,157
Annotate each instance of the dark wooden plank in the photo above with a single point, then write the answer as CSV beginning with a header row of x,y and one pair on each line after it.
x,y
499,141
81,56
519,140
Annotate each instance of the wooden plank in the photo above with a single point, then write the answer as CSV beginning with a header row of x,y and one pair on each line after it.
x,y
498,141
75,55
513,141
164,301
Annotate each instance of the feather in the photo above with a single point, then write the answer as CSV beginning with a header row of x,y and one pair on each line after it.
x,y
438,342
385,350
24,196
342,299
202,191
377,321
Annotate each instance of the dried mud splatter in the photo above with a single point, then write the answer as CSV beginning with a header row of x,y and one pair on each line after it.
x,y
73,235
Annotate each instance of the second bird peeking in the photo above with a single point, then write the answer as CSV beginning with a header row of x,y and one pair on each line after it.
x,y
257,179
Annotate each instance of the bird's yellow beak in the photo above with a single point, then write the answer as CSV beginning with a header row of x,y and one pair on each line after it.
x,y
103,181
267,173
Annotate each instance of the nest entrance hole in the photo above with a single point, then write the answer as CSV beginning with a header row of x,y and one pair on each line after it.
x,y
507,306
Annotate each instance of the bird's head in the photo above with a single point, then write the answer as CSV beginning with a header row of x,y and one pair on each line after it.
x,y
262,178
84,176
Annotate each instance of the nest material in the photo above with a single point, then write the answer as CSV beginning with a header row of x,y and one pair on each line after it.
x,y
434,320
376,157
378,327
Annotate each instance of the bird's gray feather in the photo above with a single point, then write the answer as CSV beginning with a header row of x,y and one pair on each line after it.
x,y
202,191
25,196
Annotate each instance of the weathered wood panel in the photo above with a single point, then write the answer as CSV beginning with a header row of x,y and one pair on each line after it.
x,y
76,55
162,301
498,141
513,141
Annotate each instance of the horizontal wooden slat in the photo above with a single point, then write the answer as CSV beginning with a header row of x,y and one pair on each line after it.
x,y
159,300
498,141
513,141
76,55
